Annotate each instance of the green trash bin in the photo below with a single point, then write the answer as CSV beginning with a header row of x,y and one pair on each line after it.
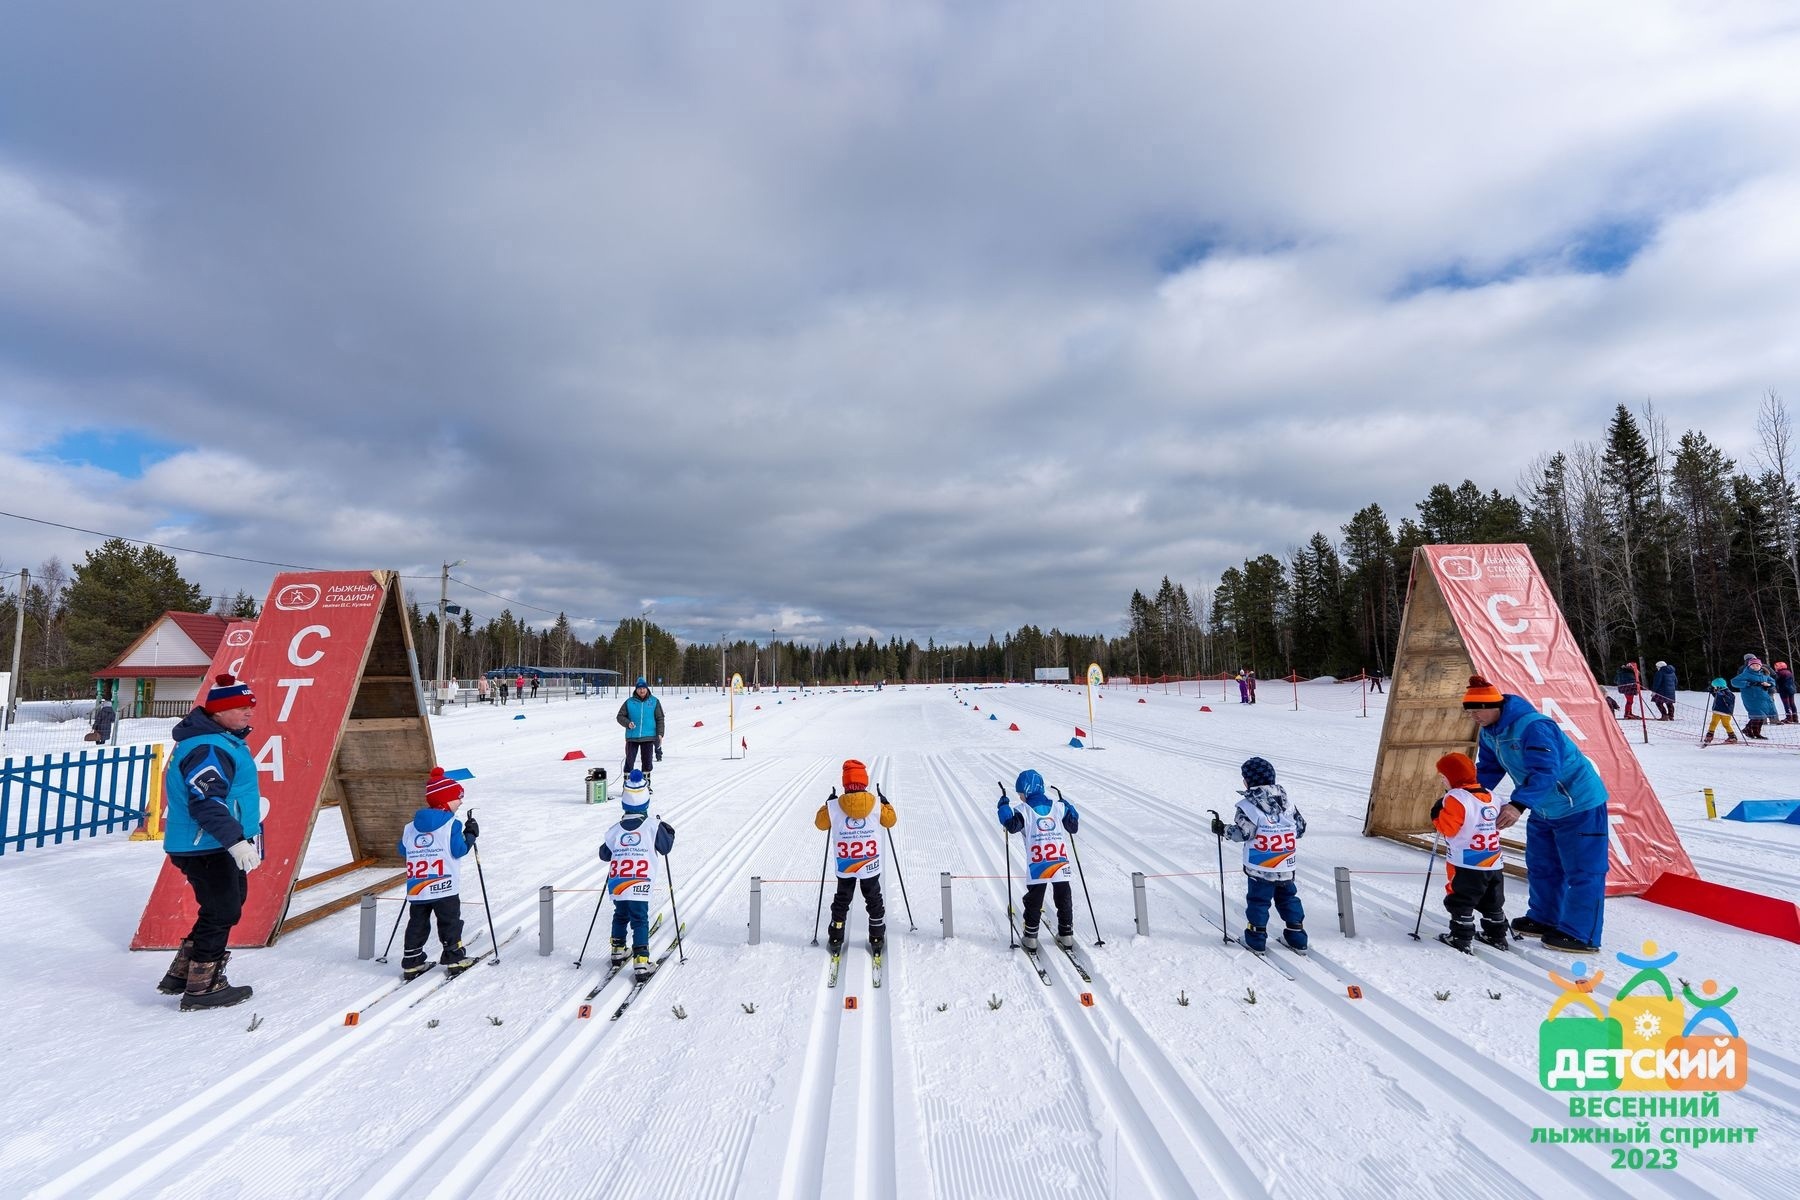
x,y
596,785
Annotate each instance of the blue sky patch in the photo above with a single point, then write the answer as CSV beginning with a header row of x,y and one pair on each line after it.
x,y
124,452
1603,248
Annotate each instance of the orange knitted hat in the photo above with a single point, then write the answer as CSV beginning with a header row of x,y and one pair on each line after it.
x,y
856,776
1457,770
1482,694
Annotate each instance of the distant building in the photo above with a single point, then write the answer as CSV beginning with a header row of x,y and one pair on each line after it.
x,y
160,673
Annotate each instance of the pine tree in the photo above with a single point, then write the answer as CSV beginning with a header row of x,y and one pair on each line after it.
x,y
117,591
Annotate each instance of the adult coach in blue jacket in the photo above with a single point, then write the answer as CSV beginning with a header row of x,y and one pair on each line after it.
x,y
642,718
1566,849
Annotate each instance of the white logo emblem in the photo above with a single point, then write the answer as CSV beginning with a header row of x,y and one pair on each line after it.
x,y
238,637
297,597
1460,566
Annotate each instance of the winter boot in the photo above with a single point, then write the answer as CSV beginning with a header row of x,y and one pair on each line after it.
x,y
207,987
1731,739
641,966
1530,928
1030,937
834,937
1707,740
456,960
174,981
1066,940
1495,934
1556,939
1256,938
1456,943
616,956
1295,937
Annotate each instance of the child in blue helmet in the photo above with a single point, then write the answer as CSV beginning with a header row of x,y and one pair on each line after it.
x,y
633,874
1043,823
1268,825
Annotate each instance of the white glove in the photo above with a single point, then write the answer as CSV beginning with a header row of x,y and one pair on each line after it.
x,y
245,856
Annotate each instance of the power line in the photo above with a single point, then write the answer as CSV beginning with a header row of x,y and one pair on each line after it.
x,y
262,562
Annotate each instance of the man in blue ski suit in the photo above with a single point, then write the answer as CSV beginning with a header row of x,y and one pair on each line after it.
x,y
1566,849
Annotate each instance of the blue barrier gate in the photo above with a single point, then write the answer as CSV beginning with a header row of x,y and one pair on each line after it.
x,y
50,797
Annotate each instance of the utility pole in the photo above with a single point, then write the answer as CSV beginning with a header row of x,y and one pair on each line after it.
x,y
437,683
12,681
644,646
774,662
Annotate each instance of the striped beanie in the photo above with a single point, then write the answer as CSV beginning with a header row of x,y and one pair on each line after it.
x,y
1482,694
441,791
227,693
636,799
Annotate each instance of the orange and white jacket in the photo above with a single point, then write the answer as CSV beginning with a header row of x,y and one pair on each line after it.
x,y
1465,816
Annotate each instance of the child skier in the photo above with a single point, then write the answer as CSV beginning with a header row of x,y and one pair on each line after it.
x,y
633,873
435,843
1724,703
857,849
1268,825
1465,816
1042,822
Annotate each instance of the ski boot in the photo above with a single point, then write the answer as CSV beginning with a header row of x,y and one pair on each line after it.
x,y
1029,939
1494,933
413,965
615,957
456,960
878,939
207,987
1456,941
1526,927
1707,740
1295,937
1066,940
1256,937
641,966
834,937
174,981
1731,739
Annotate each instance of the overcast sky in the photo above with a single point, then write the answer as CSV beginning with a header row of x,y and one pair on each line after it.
x,y
909,318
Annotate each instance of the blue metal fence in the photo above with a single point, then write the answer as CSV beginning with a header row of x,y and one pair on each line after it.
x,y
50,798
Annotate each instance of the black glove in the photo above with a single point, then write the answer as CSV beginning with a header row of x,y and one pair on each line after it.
x,y
1218,828
1437,809
471,830
665,830
659,752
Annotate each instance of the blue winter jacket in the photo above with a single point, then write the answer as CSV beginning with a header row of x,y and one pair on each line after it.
x,y
1664,683
211,788
642,719
1758,690
1723,700
429,820
1550,775
1013,820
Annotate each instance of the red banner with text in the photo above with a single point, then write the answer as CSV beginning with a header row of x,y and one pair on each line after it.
x,y
1518,640
303,662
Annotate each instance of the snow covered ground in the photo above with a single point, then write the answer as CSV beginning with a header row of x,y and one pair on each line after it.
x,y
963,1076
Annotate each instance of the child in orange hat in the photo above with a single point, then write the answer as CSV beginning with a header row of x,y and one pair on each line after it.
x,y
1465,816
856,843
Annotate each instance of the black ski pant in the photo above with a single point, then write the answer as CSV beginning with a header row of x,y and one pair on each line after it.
x,y
418,928
643,749
1470,891
1065,906
871,892
220,888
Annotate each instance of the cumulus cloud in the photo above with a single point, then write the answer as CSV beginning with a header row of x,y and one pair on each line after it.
x,y
925,319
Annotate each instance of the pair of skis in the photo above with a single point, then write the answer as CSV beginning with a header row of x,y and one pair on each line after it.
x,y
837,963
1037,964
638,985
419,994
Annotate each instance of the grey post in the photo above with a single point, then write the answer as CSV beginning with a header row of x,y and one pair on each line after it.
x,y
756,910
365,936
546,920
944,902
1346,914
1140,903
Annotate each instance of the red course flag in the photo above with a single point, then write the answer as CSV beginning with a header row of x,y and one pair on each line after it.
x,y
1080,732
744,742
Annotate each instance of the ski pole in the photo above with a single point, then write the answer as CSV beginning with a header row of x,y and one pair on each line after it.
x,y
1012,935
895,847
1098,940
819,908
394,930
1220,839
482,879
674,909
1430,863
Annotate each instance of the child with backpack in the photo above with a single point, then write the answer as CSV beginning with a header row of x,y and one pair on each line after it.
x,y
1268,825
633,873
1465,815
857,851
1043,822
1724,704
435,842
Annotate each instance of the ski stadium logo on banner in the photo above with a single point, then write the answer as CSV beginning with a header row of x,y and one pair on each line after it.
x,y
297,597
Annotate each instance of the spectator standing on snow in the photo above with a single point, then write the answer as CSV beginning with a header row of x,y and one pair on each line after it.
x,y
434,843
104,717
1566,852
641,716
1662,691
1757,687
1268,825
1784,687
1375,680
1627,683
519,687
1724,704
1043,823
1243,683
1250,678
534,687
856,850
1466,816
503,693
213,836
